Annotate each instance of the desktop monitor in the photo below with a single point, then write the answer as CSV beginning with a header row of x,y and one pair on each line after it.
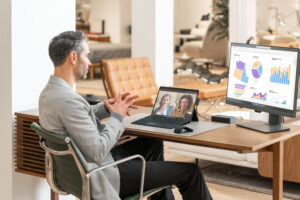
x,y
264,78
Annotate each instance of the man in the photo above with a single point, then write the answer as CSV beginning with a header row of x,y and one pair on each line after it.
x,y
63,111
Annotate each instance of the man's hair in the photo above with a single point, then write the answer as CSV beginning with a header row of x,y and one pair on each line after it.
x,y
189,98
61,45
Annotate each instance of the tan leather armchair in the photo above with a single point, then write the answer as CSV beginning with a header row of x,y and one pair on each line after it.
x,y
130,74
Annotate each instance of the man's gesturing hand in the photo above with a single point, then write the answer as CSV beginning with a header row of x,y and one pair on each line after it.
x,y
121,104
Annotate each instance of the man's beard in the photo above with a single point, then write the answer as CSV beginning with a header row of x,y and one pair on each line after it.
x,y
83,75
81,72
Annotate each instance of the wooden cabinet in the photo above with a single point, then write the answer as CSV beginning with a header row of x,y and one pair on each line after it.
x,y
98,37
29,156
82,27
291,161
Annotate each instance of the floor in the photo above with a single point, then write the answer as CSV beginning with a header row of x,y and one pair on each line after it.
x,y
218,191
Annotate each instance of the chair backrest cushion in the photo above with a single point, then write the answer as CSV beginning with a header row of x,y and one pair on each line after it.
x,y
281,39
214,48
67,176
129,74
285,41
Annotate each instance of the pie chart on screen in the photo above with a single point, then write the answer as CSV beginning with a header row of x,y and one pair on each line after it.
x,y
257,69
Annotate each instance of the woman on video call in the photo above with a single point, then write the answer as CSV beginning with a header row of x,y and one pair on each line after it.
x,y
165,108
183,106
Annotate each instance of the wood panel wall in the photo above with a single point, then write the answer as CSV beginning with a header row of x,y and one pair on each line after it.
x,y
29,156
291,161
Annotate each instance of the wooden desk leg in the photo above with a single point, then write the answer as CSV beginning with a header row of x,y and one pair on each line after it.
x,y
54,196
91,72
278,171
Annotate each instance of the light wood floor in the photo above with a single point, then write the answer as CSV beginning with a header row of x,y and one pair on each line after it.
x,y
219,192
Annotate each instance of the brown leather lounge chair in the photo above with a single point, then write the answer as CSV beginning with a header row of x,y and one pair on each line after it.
x,y
130,74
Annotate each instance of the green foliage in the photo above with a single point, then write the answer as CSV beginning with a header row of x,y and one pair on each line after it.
x,y
220,24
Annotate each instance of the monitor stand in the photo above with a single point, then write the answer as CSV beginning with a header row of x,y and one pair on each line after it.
x,y
275,125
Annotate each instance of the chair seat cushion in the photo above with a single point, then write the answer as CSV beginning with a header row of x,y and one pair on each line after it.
x,y
146,193
193,48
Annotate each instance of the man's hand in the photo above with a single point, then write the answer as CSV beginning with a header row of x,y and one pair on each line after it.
x,y
121,104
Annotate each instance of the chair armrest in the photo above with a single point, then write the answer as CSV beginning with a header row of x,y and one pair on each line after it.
x,y
122,161
54,152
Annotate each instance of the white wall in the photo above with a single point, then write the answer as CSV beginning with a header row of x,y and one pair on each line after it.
x,y
117,16
262,14
266,17
5,102
152,36
143,37
125,21
242,20
164,30
188,12
108,10
34,23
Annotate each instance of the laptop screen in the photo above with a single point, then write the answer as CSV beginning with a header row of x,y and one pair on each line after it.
x,y
175,102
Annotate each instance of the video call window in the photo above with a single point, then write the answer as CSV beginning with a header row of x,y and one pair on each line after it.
x,y
174,104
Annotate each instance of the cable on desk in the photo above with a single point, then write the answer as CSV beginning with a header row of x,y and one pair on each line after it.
x,y
202,116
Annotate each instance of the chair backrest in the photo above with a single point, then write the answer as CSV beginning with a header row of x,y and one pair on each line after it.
x,y
132,75
259,37
214,48
285,41
279,39
65,167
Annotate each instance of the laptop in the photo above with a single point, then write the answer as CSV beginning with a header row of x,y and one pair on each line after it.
x,y
173,107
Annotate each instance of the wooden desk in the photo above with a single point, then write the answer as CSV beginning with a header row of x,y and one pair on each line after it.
x,y
82,27
237,139
30,156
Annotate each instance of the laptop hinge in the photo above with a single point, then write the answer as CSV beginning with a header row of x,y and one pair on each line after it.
x,y
194,116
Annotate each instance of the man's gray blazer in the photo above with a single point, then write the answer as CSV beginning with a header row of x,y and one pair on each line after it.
x,y
62,110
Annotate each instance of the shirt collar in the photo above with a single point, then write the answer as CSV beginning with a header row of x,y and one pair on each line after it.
x,y
59,81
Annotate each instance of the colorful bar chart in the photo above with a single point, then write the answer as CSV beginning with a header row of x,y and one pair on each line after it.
x,y
281,76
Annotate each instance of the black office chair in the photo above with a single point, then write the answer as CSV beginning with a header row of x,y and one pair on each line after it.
x,y
66,169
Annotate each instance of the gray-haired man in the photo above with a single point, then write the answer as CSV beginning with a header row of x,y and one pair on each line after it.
x,y
62,110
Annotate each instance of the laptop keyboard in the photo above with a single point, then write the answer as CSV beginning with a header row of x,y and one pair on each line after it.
x,y
161,121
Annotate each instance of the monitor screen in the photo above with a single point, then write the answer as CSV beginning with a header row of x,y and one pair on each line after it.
x,y
263,78
175,102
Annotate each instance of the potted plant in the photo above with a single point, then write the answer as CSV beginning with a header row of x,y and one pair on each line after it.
x,y
220,24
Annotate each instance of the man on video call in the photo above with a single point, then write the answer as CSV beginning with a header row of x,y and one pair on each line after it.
x,y
63,111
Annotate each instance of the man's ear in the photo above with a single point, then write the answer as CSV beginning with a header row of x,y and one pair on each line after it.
x,y
73,57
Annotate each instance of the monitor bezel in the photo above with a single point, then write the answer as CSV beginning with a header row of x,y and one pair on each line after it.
x,y
262,107
179,90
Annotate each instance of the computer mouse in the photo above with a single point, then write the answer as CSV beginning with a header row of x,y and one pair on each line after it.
x,y
182,129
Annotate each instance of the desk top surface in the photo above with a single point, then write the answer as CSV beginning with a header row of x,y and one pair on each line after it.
x,y
230,137
184,36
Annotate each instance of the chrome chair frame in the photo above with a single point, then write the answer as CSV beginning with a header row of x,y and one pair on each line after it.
x,y
85,176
